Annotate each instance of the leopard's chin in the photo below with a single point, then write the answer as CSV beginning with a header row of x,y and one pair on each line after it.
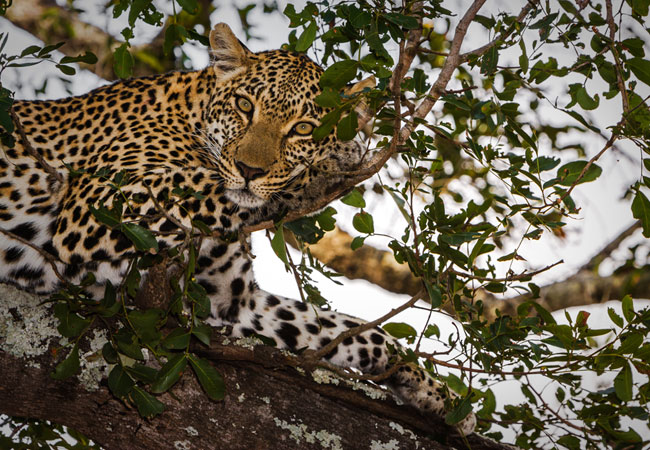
x,y
244,198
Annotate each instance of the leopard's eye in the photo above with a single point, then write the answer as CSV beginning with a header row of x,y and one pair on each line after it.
x,y
244,104
303,128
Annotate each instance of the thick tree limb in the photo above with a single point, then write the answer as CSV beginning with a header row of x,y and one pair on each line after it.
x,y
268,403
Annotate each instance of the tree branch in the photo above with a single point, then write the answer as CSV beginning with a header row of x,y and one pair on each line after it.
x,y
32,151
267,401
504,34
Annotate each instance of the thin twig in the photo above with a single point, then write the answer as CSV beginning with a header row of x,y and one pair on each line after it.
x,y
47,256
32,151
607,146
346,373
164,212
366,326
504,34
619,70
521,276
548,408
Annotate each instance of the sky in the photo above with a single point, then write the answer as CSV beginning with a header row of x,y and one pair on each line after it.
x,y
603,216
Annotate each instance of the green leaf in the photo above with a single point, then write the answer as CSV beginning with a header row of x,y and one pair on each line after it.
x,y
146,324
544,22
6,101
347,127
489,61
143,239
88,58
641,211
338,74
568,174
66,69
628,308
328,98
133,280
173,34
306,229
400,330
580,95
70,324
119,382
141,372
199,298
435,296
354,198
128,344
169,373
109,306
570,442
546,316
618,320
122,61
29,50
210,380
307,37
191,6
357,242
359,18
432,330
408,22
623,384
109,353
543,163
495,287
327,124
203,333
363,222
148,405
326,219
521,132
460,411
278,245
641,68
178,339
49,49
109,217
489,405
631,343
68,367
203,40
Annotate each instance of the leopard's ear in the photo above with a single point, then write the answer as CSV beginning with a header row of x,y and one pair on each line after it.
x,y
229,56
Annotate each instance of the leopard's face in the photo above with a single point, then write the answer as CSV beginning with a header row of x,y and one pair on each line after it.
x,y
260,126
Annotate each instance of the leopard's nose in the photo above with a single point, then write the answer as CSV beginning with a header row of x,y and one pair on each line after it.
x,y
249,173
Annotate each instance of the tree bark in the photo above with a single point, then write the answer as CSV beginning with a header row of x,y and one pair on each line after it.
x,y
269,403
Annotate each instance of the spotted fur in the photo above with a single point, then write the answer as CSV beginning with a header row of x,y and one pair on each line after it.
x,y
239,133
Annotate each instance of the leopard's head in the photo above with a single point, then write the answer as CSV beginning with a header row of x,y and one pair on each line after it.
x,y
261,119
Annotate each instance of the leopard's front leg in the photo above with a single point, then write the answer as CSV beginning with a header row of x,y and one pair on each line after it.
x,y
295,325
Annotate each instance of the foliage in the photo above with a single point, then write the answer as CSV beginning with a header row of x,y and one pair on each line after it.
x,y
31,434
494,128
490,126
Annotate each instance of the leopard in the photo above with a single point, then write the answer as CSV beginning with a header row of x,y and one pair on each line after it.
x,y
239,133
